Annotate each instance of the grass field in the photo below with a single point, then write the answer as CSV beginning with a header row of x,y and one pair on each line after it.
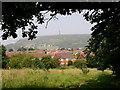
x,y
56,78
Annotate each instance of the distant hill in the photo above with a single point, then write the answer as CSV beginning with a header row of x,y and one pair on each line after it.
x,y
53,41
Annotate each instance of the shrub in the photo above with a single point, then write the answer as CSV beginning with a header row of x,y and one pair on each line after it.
x,y
31,49
48,62
70,62
21,60
10,50
3,58
55,63
82,64
22,49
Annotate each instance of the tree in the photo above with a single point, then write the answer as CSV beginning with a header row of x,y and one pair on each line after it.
x,y
48,62
10,50
3,58
70,62
55,63
82,64
22,49
45,51
62,49
77,56
23,60
105,40
31,49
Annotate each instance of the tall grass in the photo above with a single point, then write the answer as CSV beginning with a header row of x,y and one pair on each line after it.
x,y
0,79
55,78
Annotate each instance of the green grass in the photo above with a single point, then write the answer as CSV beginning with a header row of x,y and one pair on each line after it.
x,y
56,78
30,51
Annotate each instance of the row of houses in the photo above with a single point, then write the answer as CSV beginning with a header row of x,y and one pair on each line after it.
x,y
63,55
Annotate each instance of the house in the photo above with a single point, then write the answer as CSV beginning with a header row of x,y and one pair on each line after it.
x,y
50,51
64,57
78,51
37,54
9,54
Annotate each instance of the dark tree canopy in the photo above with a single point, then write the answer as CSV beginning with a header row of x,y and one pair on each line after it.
x,y
3,58
22,49
17,15
105,40
10,50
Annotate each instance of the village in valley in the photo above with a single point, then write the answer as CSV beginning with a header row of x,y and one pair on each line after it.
x,y
64,56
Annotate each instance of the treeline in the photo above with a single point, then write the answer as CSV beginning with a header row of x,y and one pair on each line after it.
x,y
33,49
23,60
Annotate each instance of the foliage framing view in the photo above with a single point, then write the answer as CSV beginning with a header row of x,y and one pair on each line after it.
x,y
105,40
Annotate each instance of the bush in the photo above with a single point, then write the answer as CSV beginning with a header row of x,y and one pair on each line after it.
x,y
22,60
22,49
48,62
70,62
55,63
3,58
10,50
82,64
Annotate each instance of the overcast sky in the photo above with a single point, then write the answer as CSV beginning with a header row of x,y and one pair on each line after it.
x,y
74,24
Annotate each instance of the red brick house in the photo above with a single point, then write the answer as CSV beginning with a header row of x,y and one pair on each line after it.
x,y
64,57
9,54
78,51
38,54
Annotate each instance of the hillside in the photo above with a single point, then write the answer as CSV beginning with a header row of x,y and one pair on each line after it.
x,y
53,41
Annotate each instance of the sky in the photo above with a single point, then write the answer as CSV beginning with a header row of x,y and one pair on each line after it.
x,y
72,24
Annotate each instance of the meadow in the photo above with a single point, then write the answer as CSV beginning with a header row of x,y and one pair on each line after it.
x,y
57,78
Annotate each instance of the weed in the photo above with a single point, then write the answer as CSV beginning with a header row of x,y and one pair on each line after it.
x,y
70,78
